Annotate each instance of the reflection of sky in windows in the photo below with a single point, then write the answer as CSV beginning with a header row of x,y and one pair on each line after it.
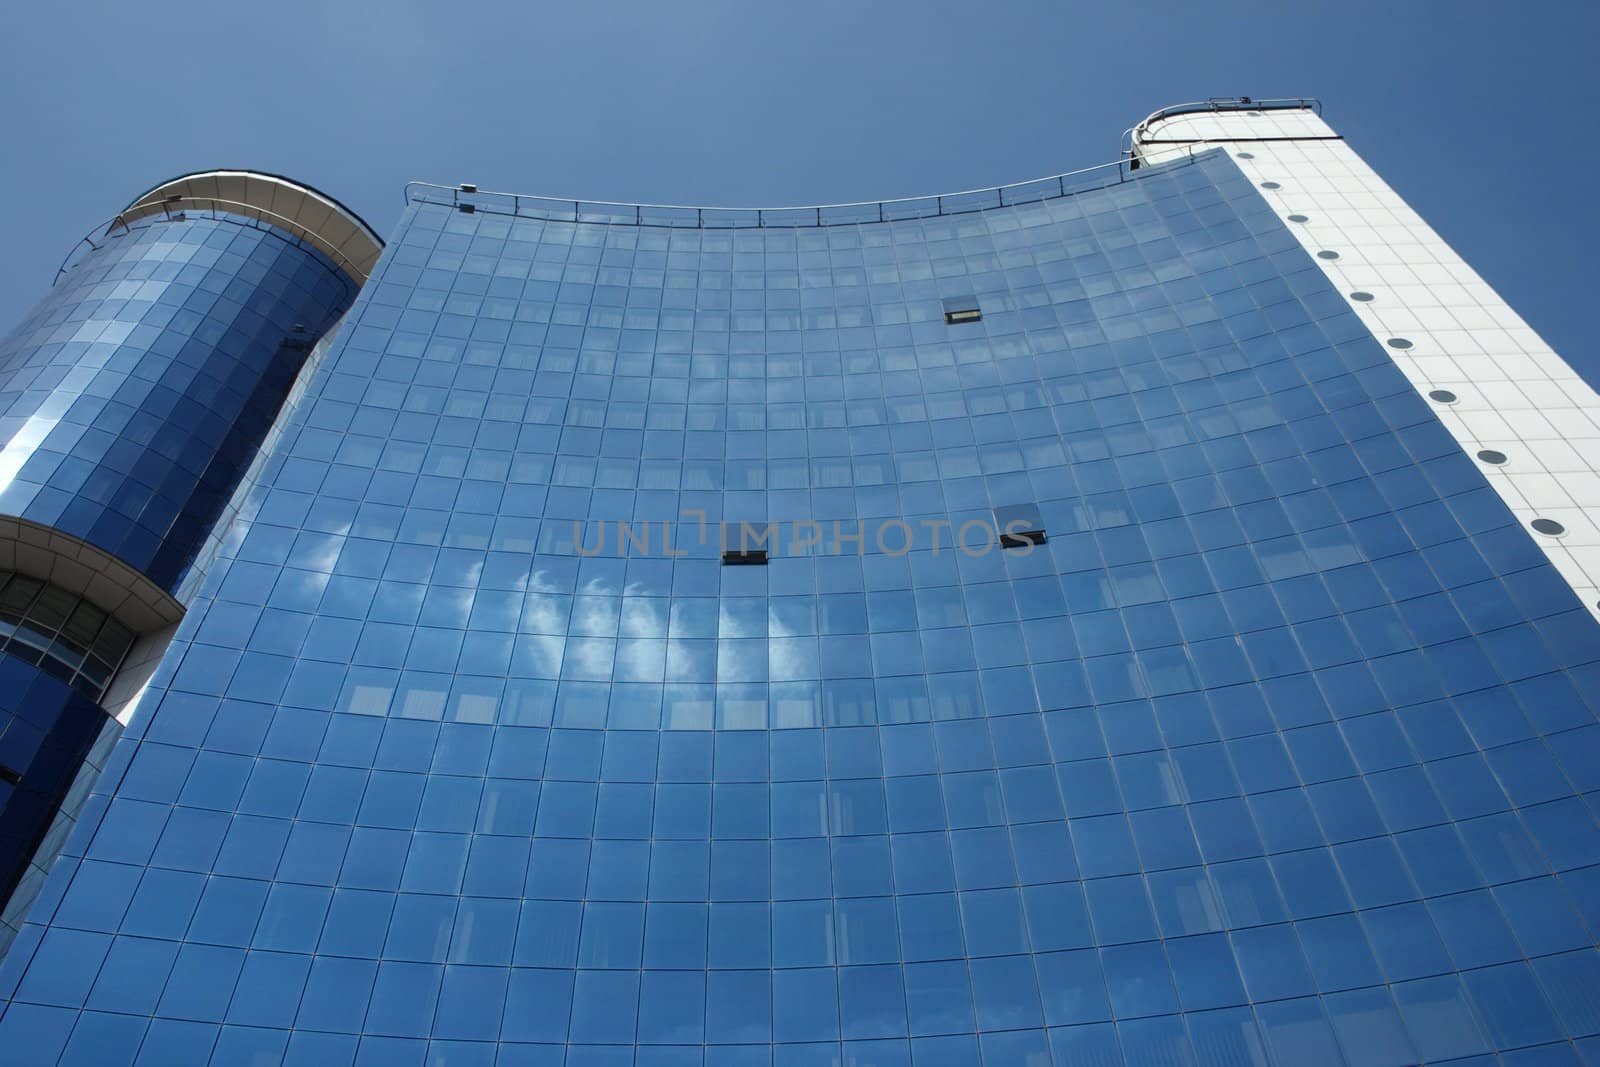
x,y
132,424
1275,746
20,448
131,400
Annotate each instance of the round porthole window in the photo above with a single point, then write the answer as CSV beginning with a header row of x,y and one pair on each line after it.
x,y
1361,296
1247,155
1443,396
1327,255
1399,342
1271,185
1548,527
1489,455
1299,218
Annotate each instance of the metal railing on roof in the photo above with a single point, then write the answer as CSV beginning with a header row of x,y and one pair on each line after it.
x,y
179,206
1236,103
567,209
572,209
1217,104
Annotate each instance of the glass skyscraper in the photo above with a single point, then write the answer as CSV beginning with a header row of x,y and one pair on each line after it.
x,y
1143,616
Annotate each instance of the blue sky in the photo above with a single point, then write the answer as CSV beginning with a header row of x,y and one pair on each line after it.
x,y
1474,111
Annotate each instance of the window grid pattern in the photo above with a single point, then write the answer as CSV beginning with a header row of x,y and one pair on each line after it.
x,y
47,727
136,392
1280,749
1510,390
70,637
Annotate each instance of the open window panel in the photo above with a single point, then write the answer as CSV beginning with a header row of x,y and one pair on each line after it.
x,y
959,309
1019,525
745,544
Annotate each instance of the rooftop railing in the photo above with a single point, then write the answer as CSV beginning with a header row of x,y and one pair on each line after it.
x,y
571,209
178,207
1131,135
470,198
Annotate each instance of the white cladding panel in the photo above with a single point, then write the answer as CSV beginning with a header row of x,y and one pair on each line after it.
x,y
1515,395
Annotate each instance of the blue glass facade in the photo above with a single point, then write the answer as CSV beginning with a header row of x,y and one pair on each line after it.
x,y
132,399
46,729
1280,748
135,394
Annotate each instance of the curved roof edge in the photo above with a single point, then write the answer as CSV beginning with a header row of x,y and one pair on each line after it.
x,y
308,213
87,570
1138,134
469,198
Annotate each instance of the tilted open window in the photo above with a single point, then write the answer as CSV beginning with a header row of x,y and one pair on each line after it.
x,y
959,309
1019,525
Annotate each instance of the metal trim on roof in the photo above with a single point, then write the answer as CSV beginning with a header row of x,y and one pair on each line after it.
x,y
313,216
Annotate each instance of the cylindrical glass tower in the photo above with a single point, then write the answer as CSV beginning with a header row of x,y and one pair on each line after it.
x,y
132,399
136,392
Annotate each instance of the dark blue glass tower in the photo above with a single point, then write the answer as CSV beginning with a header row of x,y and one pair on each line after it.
x,y
1264,733
132,399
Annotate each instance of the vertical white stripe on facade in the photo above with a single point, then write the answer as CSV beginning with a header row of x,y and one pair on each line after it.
x,y
1515,395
